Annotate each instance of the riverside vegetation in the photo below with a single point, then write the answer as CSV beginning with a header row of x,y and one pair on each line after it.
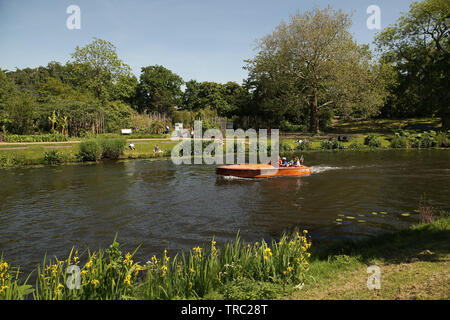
x,y
414,264
114,147
238,270
304,73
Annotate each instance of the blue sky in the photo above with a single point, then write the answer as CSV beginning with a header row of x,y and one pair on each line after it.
x,y
205,40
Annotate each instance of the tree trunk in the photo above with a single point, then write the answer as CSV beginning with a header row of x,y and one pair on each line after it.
x,y
314,107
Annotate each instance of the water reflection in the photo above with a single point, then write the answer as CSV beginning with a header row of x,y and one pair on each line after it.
x,y
160,205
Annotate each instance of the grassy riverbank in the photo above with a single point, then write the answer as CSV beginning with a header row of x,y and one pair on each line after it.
x,y
366,135
414,264
30,154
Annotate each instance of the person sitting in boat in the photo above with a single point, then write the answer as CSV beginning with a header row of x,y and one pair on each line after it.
x,y
292,162
284,162
296,162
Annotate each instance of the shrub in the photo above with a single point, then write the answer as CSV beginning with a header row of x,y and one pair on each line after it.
x,y
286,126
331,145
442,140
53,157
50,137
326,144
157,127
112,148
14,160
304,145
424,140
400,142
372,141
90,150
355,146
427,142
286,147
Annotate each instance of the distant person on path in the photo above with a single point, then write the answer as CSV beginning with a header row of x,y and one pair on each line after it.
x,y
132,147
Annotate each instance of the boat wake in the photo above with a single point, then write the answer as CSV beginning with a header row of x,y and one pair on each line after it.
x,y
232,178
324,168
319,169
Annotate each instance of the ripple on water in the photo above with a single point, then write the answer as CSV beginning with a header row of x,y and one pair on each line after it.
x,y
162,205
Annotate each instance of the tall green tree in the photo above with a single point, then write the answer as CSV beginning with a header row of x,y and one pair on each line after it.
x,y
16,106
226,98
417,48
7,91
159,90
314,57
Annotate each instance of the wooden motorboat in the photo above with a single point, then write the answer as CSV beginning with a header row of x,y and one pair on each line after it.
x,y
261,171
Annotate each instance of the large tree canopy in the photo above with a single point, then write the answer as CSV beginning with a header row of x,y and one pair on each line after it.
x,y
159,90
313,60
97,67
417,47
226,98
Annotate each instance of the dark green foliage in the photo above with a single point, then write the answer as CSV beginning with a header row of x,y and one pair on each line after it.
x,y
10,160
426,139
90,150
305,145
400,142
111,148
331,144
157,127
372,141
226,99
286,147
53,157
50,137
423,140
443,139
416,47
355,146
287,126
159,90
326,116
101,148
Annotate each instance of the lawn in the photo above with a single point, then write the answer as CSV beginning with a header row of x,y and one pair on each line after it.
x,y
414,264
24,154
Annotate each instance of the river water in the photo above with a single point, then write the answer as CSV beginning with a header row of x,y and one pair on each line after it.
x,y
163,206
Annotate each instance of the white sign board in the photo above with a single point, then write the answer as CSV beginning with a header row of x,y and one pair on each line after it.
x,y
126,131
